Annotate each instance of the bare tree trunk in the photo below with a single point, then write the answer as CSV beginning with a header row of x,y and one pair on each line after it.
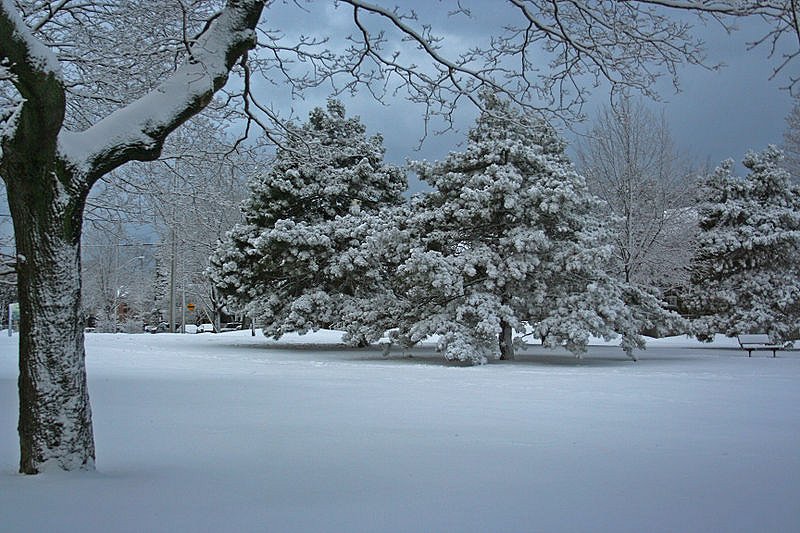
x,y
506,341
217,305
55,421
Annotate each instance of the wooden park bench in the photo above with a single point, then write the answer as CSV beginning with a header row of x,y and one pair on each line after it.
x,y
757,341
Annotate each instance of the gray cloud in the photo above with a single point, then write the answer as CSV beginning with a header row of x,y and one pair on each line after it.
x,y
717,115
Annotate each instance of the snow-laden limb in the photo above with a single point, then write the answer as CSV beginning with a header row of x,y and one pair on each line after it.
x,y
26,53
137,131
35,95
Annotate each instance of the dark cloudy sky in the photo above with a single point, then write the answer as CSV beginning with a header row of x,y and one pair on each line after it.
x,y
717,115
723,114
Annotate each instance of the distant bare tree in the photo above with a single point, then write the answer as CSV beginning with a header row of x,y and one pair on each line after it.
x,y
117,279
194,192
8,272
791,143
631,162
186,202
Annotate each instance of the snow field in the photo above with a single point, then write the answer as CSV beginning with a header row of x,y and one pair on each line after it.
x,y
236,433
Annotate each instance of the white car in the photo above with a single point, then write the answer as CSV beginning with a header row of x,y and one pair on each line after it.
x,y
206,328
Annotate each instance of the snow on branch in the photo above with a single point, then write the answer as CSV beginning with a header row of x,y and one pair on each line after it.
x,y
28,57
138,130
33,71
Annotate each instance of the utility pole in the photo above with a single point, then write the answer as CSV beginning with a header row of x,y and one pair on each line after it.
x,y
183,307
115,278
173,260
172,265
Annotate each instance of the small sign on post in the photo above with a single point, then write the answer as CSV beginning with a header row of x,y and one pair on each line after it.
x,y
191,306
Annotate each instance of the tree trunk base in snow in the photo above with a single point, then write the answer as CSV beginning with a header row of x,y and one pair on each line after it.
x,y
506,342
55,419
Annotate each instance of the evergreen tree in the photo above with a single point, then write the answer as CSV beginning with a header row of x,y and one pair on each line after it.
x,y
511,236
745,272
292,263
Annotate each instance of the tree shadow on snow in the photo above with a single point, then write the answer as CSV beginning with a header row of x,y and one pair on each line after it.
x,y
596,356
604,356
346,353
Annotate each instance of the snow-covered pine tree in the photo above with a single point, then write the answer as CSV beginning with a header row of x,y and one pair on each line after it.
x,y
295,262
746,268
510,236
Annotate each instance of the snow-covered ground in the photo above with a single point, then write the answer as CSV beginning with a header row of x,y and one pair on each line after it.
x,y
235,433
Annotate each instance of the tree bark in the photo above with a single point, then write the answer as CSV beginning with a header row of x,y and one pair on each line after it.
x,y
506,341
55,422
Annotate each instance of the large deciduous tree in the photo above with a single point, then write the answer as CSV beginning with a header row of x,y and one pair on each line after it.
x,y
49,164
87,86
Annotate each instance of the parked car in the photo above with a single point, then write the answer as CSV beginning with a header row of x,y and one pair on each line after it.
x,y
231,326
206,328
161,327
